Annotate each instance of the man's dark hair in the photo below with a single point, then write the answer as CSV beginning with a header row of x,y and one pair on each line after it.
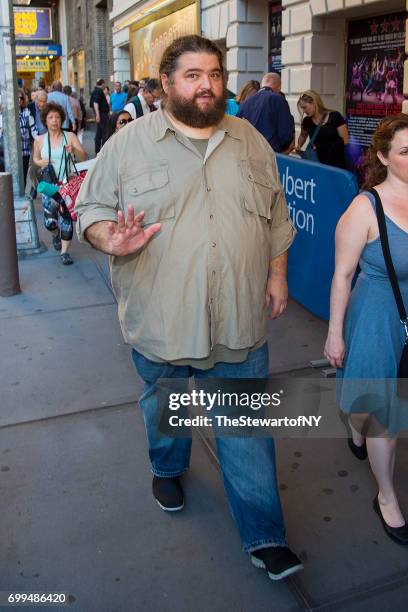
x,y
134,83
52,107
67,90
152,85
56,86
187,44
100,82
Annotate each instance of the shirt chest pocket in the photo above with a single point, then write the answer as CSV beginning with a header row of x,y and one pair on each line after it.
x,y
147,187
258,189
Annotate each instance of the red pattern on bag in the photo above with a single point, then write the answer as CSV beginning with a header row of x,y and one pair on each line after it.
x,y
70,190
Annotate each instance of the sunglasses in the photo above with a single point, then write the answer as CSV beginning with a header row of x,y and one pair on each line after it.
x,y
20,98
125,121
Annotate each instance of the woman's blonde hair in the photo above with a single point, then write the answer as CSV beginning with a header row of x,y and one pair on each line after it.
x,y
246,90
312,96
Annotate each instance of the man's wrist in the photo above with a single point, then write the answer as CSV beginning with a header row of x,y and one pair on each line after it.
x,y
277,274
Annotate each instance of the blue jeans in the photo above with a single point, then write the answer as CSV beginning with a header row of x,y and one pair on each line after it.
x,y
247,464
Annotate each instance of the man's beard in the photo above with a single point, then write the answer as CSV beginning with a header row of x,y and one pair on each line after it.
x,y
188,112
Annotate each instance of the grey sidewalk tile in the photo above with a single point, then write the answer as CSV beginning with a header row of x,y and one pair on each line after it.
x,y
295,338
47,286
394,598
64,362
78,516
327,498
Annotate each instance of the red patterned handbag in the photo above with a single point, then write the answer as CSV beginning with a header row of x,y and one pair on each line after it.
x,y
70,190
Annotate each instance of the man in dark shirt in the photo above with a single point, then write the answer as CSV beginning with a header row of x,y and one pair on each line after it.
x,y
269,113
100,105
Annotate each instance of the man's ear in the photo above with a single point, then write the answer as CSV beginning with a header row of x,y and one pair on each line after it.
x,y
165,82
382,159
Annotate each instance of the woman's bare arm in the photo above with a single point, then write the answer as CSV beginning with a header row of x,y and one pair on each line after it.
x,y
352,234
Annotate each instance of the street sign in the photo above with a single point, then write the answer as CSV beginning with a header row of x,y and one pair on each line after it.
x,y
47,50
33,65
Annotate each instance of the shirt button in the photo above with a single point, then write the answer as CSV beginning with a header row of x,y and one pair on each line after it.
x,y
208,188
214,244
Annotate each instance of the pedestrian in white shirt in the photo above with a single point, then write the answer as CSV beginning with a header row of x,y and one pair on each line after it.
x,y
143,103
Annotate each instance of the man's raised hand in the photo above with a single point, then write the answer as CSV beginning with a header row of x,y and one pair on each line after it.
x,y
127,236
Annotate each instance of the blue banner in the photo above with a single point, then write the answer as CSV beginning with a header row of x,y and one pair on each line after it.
x,y
317,195
38,49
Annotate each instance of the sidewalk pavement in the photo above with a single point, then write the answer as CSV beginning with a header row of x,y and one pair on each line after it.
x,y
77,511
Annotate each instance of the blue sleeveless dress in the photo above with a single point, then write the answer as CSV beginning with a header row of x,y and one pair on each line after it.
x,y
373,335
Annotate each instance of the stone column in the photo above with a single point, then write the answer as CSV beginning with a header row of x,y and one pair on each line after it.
x,y
247,41
313,52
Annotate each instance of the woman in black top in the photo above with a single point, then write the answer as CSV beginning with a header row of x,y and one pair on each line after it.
x,y
333,134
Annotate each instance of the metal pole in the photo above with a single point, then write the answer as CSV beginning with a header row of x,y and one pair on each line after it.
x,y
8,88
9,279
27,234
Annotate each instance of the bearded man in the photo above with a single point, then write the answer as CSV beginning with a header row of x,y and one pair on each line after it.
x,y
188,204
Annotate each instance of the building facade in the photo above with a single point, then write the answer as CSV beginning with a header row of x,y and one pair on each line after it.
x,y
352,52
142,29
88,41
38,43
308,39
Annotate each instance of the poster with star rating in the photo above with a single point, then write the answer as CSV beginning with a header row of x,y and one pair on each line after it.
x,y
374,80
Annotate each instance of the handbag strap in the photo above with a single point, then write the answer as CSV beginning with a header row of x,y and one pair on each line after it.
x,y
69,161
315,133
388,260
63,159
49,147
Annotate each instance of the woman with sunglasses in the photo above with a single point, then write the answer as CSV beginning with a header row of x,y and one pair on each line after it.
x,y
28,131
332,136
117,121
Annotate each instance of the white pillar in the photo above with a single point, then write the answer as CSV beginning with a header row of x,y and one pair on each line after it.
x,y
62,24
8,88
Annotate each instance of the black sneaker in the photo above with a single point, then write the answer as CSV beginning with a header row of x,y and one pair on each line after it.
x,y
168,493
66,259
56,241
279,561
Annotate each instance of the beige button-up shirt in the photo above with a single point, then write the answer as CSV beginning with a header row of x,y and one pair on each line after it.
x,y
200,282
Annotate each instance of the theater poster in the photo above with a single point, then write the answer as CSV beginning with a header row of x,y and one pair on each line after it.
x,y
32,23
149,41
275,37
374,78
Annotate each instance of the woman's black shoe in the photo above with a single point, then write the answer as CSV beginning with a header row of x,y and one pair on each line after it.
x,y
66,259
358,451
398,534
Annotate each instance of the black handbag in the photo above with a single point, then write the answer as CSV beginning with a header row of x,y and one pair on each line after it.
x,y
48,174
310,153
402,385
